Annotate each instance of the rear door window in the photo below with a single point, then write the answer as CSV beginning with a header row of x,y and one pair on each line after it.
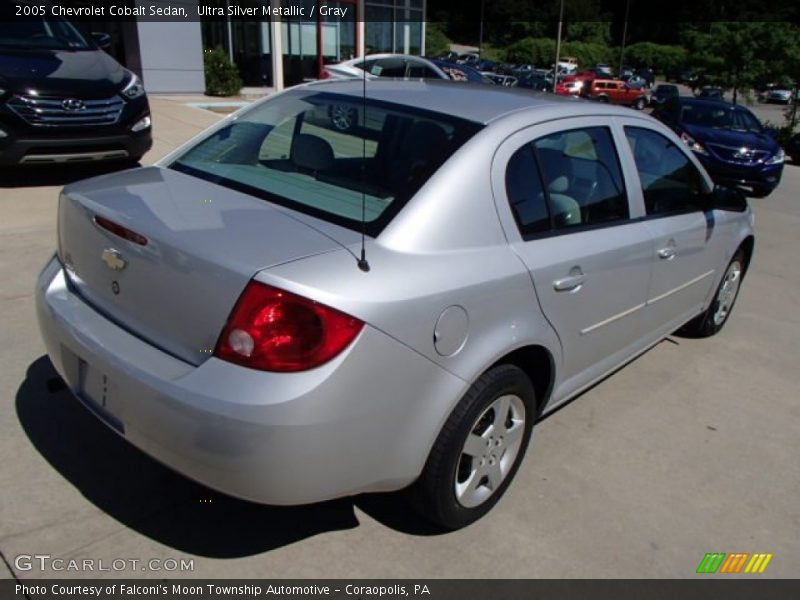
x,y
566,180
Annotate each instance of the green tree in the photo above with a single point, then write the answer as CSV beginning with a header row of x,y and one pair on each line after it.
x,y
736,55
595,32
436,41
538,51
659,57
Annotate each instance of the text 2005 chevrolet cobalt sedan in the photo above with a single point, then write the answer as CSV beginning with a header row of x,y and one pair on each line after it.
x,y
219,310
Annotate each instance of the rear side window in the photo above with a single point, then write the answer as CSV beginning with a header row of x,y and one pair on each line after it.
x,y
526,192
325,155
566,180
670,182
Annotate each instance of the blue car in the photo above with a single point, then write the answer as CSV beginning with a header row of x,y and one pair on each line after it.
x,y
729,140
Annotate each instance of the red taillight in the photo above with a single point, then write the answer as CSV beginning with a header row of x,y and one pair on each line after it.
x,y
274,330
120,231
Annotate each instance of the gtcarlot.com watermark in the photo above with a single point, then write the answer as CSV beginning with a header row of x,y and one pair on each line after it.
x,y
47,562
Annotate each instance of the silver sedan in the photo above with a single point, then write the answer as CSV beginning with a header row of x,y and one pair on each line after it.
x,y
289,312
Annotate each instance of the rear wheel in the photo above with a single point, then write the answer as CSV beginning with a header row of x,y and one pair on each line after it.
x,y
640,104
715,317
478,450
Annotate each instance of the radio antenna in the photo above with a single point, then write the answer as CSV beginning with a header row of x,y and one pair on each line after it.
x,y
362,261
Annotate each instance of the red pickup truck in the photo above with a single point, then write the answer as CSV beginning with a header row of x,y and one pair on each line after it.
x,y
617,92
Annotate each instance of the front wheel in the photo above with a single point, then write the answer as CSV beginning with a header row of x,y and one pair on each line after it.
x,y
478,450
761,192
714,318
640,104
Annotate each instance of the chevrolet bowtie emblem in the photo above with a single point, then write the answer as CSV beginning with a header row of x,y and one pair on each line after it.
x,y
113,259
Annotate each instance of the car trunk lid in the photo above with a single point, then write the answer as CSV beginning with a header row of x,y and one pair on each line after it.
x,y
199,245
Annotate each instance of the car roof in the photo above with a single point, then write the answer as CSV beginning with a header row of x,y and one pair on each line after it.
x,y
473,102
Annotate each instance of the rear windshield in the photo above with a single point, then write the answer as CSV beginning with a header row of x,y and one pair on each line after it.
x,y
325,155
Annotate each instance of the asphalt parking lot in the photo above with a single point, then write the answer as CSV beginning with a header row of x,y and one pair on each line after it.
x,y
692,448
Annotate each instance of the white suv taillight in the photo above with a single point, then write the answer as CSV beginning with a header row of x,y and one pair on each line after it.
x,y
274,330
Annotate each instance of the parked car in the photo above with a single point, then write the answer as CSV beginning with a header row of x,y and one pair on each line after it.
x,y
663,92
615,91
399,66
604,70
570,88
521,71
648,75
462,72
779,95
728,139
634,82
388,65
536,82
503,80
711,93
403,322
485,65
684,75
63,99
568,64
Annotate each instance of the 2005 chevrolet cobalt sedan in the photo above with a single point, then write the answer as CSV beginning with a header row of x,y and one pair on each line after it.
x,y
289,312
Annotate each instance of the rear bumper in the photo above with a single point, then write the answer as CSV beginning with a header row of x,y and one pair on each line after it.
x,y
350,426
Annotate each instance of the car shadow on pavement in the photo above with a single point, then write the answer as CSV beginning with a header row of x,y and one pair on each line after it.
x,y
165,506
57,175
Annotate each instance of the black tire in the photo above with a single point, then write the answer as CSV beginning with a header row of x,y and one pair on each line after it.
x,y
709,322
434,493
640,104
761,192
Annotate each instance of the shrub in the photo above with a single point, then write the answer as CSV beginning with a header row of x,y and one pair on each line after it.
x,y
222,77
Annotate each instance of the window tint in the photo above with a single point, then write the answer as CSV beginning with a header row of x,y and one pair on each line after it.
x,y
582,177
670,182
526,193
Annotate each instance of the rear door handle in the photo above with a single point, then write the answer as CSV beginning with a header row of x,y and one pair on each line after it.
x,y
569,284
667,253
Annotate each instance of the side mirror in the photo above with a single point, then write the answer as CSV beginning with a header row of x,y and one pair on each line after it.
x,y
726,198
103,40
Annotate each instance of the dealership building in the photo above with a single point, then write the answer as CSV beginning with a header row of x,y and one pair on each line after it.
x,y
274,43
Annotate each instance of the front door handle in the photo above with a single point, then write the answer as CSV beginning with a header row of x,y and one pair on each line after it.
x,y
571,283
667,253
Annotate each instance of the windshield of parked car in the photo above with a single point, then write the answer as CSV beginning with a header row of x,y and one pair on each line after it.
x,y
325,155
720,117
49,34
